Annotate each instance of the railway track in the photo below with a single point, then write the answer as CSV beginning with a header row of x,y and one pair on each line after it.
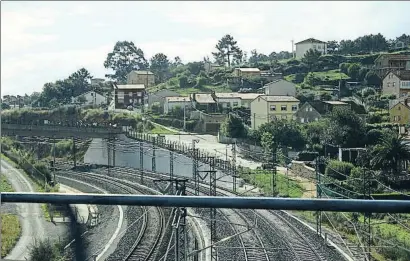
x,y
152,230
277,239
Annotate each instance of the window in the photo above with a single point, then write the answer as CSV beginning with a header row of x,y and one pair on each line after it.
x,y
302,120
273,107
310,109
294,107
316,119
388,85
395,118
394,84
398,118
235,104
307,108
314,46
283,107
228,104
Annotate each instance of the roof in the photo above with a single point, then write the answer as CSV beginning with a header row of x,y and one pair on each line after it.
x,y
177,98
242,96
131,87
359,109
141,72
310,40
204,98
393,56
402,75
248,69
275,98
87,93
336,102
277,81
402,103
319,106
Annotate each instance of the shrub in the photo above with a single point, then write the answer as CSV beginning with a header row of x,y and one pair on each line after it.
x,y
338,169
307,155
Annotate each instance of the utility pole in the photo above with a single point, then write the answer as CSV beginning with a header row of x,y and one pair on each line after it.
x,y
234,166
318,195
212,190
184,115
154,165
74,153
54,161
171,168
179,224
367,215
195,166
141,162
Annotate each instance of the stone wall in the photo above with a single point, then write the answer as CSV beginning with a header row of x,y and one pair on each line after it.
x,y
300,169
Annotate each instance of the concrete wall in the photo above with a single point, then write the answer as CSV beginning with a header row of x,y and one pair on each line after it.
x,y
128,155
300,169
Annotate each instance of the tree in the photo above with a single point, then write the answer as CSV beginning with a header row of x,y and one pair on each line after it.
x,y
44,250
177,61
333,46
353,71
227,50
5,106
195,67
372,79
124,58
362,73
284,134
390,153
311,57
233,127
160,66
273,58
346,128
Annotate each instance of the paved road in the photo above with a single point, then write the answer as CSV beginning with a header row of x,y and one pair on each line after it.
x,y
31,215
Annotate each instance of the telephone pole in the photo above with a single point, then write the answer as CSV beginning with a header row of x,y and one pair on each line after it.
x,y
141,163
234,166
367,215
318,195
154,165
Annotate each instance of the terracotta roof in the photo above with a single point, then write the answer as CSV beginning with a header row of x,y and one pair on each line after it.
x,y
177,99
310,40
275,98
131,87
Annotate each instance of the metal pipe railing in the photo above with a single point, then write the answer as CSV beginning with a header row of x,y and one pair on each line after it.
x,y
338,205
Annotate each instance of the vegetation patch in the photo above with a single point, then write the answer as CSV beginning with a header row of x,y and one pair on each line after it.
x,y
10,232
285,187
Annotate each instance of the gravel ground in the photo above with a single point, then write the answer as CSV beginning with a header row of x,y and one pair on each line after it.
x,y
34,226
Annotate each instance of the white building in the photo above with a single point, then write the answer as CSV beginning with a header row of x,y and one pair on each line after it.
x,y
173,102
228,100
90,98
303,46
397,83
280,87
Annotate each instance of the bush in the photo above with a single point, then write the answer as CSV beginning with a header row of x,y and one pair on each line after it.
x,y
307,155
338,169
44,250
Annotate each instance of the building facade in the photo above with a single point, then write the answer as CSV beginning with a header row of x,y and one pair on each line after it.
x,y
129,95
171,103
397,83
307,113
159,96
386,63
303,46
280,87
268,108
400,113
90,98
141,77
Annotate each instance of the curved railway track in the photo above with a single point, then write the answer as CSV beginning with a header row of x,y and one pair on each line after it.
x,y
289,244
152,229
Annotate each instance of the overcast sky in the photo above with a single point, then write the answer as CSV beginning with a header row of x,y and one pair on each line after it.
x,y
46,41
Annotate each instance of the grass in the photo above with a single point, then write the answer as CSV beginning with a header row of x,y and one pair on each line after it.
x,y
158,129
331,75
10,224
38,187
10,233
262,179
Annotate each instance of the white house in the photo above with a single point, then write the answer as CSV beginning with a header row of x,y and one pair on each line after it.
x,y
228,100
303,46
90,98
397,83
177,101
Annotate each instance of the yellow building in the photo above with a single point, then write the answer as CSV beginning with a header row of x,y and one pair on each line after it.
x,y
268,108
400,113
